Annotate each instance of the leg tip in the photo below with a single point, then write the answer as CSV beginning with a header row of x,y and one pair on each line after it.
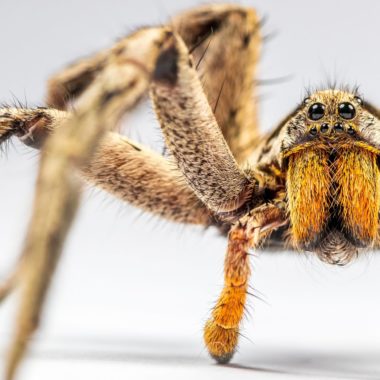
x,y
221,342
224,358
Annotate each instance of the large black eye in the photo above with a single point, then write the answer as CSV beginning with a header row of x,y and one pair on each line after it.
x,y
316,111
346,110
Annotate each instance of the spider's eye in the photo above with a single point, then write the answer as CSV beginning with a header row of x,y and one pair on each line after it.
x,y
306,101
346,110
316,111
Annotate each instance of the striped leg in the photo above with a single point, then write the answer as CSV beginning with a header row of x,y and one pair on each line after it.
x,y
226,43
192,133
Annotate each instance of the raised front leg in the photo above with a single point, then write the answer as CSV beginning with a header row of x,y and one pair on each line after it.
x,y
116,90
69,84
221,332
192,133
225,41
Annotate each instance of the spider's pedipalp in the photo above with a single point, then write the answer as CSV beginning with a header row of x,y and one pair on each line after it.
x,y
192,133
225,41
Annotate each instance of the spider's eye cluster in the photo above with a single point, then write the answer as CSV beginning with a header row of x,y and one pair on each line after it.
x,y
316,111
346,111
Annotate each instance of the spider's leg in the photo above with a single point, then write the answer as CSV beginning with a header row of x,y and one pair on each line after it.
x,y
221,331
226,42
129,171
10,283
146,180
136,175
192,133
68,85
115,91
124,168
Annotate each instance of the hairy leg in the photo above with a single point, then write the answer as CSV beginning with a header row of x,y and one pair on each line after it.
x,y
227,58
192,133
71,83
225,42
194,138
221,332
57,191
125,169
145,179
128,170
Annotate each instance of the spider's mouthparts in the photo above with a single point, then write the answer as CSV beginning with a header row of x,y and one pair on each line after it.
x,y
334,203
336,249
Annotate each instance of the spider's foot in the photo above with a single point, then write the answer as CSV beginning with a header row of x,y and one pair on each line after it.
x,y
31,126
221,342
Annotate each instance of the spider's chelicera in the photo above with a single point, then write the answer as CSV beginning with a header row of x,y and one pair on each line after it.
x,y
312,184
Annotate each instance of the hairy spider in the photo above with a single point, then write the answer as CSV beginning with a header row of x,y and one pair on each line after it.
x,y
314,180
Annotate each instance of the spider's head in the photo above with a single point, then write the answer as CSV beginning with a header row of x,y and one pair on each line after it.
x,y
330,149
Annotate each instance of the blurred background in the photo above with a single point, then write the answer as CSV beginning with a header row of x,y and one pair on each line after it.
x,y
132,292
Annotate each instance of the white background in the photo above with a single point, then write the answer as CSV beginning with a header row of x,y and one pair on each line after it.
x,y
132,292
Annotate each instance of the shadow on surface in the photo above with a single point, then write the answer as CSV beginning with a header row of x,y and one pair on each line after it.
x,y
327,364
303,363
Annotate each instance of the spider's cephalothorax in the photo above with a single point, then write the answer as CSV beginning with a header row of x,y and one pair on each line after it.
x,y
329,150
314,180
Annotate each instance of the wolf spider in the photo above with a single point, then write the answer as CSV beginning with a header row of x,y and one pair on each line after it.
x,y
314,180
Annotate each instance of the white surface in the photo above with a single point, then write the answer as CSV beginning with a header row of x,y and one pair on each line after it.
x,y
113,314
132,292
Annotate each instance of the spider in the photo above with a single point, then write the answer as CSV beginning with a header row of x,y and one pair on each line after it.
x,y
312,184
